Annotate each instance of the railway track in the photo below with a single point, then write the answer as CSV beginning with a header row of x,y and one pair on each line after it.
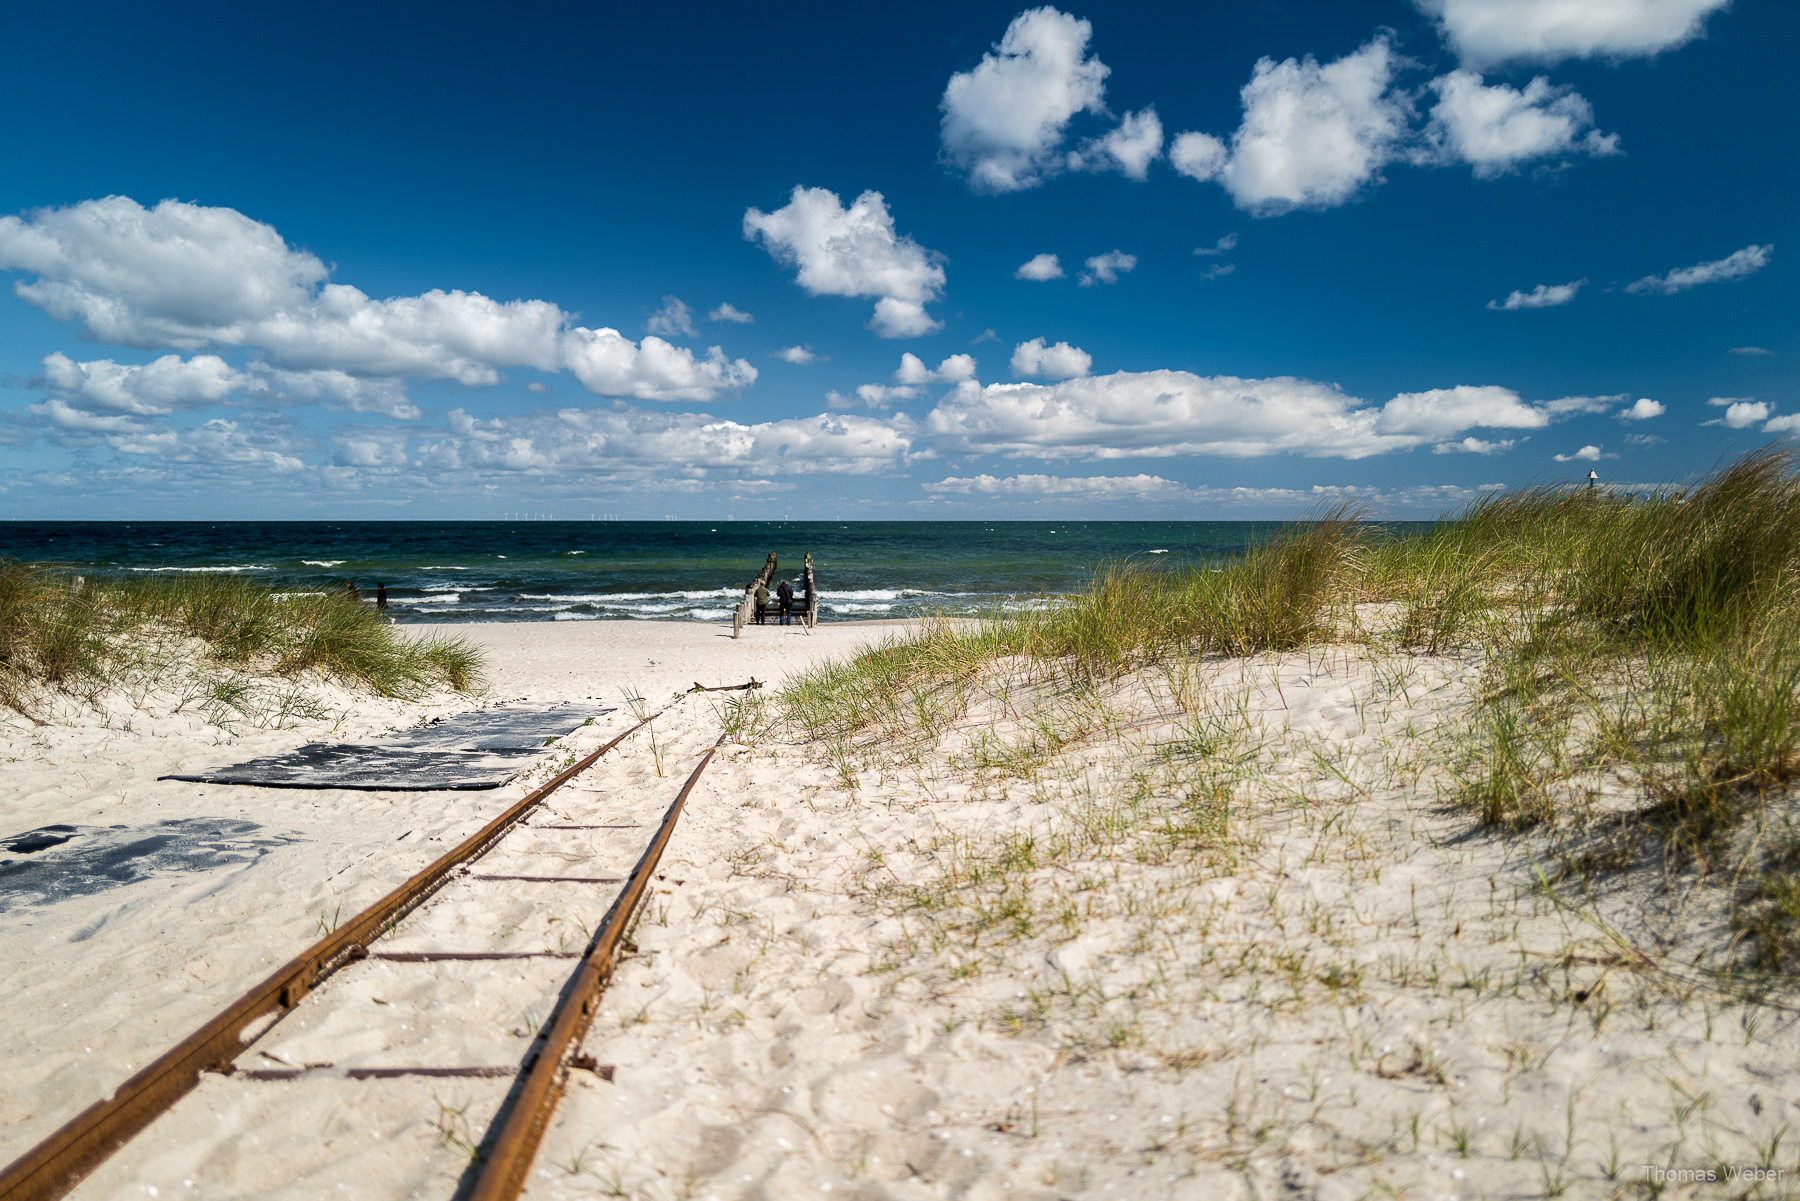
x,y
499,1165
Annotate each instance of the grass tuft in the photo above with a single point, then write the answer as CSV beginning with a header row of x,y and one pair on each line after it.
x,y
65,633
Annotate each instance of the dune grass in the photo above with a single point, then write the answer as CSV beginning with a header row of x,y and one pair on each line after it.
x,y
60,632
1640,658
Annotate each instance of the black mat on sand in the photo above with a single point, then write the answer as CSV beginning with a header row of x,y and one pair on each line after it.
x,y
515,726
374,769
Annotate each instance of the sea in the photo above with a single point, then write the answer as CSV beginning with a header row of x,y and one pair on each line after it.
x,y
454,571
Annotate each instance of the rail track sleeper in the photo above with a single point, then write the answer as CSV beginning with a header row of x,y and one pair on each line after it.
x,y
60,1161
503,1173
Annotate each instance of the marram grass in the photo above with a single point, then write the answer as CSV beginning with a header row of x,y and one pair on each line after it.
x,y
1653,640
70,634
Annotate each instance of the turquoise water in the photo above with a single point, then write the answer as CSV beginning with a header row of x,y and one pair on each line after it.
x,y
670,570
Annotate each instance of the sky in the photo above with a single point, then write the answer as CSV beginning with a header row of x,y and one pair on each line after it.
x,y
407,261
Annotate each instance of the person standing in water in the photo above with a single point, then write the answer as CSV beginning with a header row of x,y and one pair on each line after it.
x,y
381,597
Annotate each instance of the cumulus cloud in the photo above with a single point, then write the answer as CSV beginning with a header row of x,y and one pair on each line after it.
x,y
1741,412
1441,412
1643,410
1099,487
1004,121
1488,32
1789,424
800,356
627,439
853,252
675,319
1030,488
607,362
1060,361
1473,446
1495,128
1544,296
1040,267
1311,137
1737,265
1129,148
1106,268
729,312
163,386
953,370
1587,454
171,384
193,278
1170,413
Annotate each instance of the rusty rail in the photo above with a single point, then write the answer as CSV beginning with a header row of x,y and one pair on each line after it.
x,y
511,1151
60,1161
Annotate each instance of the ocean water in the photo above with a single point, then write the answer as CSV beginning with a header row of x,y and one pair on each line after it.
x,y
653,570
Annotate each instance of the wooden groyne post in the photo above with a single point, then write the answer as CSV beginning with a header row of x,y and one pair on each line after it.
x,y
747,607
746,610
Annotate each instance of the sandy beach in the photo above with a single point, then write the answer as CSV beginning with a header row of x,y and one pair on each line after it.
x,y
1218,938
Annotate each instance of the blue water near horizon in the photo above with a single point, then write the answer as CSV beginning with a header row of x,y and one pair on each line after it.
x,y
667,570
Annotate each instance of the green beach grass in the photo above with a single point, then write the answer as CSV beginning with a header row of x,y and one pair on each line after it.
x,y
1649,646
66,634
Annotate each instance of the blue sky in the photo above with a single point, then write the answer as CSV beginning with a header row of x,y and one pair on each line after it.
x,y
427,261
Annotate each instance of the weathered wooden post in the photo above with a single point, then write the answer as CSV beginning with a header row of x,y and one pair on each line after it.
x,y
812,594
747,607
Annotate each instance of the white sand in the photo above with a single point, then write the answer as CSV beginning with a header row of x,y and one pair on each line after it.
x,y
846,990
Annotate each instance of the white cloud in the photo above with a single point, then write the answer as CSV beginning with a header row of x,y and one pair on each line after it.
x,y
169,384
624,439
872,396
1740,412
339,390
1587,454
194,278
1495,128
1097,486
1218,271
1170,413
1643,410
731,313
1441,412
1223,245
674,320
1751,350
1028,489
1783,425
1487,32
953,370
1040,267
1544,296
1311,135
539,387
607,362
161,386
1106,268
1736,265
1129,148
1060,361
853,252
800,356
1004,120
1473,446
